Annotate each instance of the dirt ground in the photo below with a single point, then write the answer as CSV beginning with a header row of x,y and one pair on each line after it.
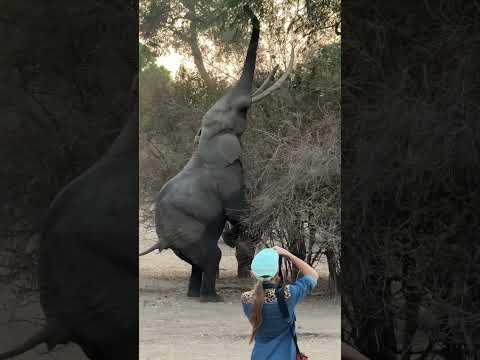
x,y
173,326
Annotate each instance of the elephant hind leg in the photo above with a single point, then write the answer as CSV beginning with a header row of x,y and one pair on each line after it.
x,y
195,282
207,290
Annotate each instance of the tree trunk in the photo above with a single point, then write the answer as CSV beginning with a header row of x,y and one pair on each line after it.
x,y
198,58
193,42
333,273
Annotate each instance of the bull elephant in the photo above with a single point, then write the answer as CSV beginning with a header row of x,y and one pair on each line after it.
x,y
87,256
192,208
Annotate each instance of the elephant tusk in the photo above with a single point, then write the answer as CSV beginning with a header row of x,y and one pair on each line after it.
x,y
279,82
266,82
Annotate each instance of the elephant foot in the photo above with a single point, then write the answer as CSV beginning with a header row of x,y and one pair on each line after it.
x,y
211,298
193,293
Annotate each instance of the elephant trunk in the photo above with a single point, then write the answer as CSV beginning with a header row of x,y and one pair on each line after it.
x,y
246,78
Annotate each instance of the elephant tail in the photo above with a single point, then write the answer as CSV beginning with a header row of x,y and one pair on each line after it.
x,y
43,336
160,245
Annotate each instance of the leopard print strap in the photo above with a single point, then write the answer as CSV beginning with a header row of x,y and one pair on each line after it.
x,y
248,297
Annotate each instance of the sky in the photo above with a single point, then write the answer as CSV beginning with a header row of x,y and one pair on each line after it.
x,y
172,62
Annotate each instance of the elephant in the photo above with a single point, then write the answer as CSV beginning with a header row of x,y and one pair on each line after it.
x,y
244,250
87,256
350,353
191,209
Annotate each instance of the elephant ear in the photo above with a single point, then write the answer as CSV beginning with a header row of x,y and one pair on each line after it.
x,y
220,150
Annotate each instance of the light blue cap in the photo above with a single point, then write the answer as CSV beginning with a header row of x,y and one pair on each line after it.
x,y
265,264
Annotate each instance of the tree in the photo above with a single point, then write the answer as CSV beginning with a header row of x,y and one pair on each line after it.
x,y
215,32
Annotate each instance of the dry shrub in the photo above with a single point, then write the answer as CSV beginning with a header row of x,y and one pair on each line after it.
x,y
292,161
298,195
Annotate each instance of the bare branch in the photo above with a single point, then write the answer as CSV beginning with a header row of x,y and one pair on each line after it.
x,y
279,82
266,82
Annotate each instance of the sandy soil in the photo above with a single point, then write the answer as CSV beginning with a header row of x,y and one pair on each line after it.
x,y
173,326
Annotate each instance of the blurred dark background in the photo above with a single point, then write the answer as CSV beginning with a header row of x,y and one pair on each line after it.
x,y
410,175
65,76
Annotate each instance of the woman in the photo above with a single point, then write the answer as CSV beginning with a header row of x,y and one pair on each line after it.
x,y
271,332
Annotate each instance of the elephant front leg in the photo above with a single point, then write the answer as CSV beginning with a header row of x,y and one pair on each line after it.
x,y
207,290
195,282
244,252
243,241
235,207
231,234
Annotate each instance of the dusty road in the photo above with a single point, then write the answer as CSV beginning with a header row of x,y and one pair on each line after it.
x,y
173,326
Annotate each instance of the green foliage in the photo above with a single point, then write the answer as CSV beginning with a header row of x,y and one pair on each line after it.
x,y
145,55
165,24
167,128
320,75
154,83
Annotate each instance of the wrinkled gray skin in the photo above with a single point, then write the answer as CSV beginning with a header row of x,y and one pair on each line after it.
x,y
192,207
88,264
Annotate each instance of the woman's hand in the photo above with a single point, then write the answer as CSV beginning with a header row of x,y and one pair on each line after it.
x,y
281,251
299,263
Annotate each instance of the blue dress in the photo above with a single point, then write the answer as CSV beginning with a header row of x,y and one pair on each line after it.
x,y
273,340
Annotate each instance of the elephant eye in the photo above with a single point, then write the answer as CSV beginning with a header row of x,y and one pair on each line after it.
x,y
242,105
243,110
